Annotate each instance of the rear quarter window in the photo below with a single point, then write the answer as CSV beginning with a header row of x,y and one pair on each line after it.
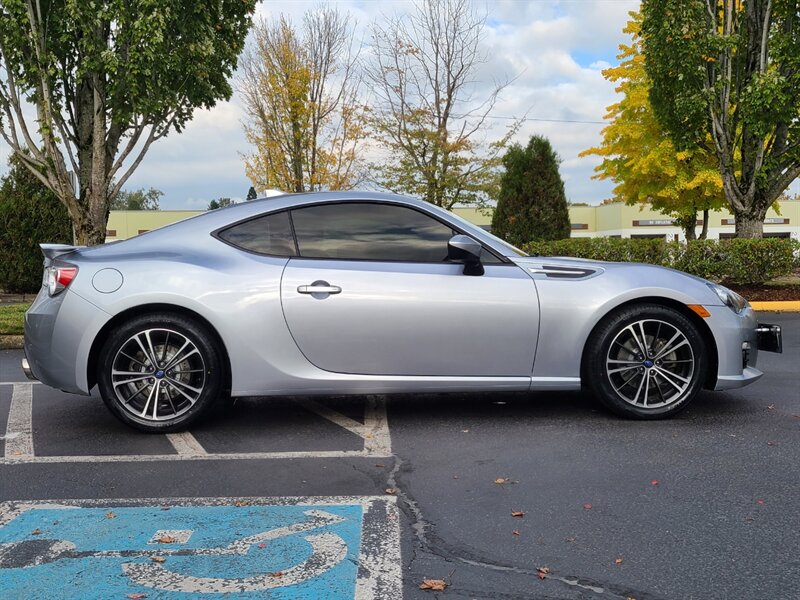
x,y
270,234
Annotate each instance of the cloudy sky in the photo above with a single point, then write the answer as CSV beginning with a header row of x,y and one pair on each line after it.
x,y
556,50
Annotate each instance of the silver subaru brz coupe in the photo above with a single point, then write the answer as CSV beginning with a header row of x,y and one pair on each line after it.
x,y
362,293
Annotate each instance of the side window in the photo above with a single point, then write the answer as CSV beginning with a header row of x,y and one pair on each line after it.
x,y
270,234
367,231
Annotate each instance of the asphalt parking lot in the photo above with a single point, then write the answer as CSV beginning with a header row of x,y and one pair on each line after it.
x,y
368,496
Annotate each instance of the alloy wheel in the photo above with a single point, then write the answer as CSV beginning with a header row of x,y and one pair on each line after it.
x,y
158,374
650,364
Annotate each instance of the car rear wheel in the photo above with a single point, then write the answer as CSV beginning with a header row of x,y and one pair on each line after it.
x,y
160,372
646,362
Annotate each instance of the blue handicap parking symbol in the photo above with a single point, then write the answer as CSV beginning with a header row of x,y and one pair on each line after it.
x,y
287,550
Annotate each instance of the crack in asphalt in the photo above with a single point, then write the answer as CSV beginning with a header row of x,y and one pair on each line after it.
x,y
437,547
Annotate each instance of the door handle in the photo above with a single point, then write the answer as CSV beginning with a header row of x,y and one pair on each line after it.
x,y
319,287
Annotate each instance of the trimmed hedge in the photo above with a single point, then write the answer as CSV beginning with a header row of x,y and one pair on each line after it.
x,y
744,261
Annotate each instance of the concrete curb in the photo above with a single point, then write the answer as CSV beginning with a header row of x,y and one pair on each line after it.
x,y
777,306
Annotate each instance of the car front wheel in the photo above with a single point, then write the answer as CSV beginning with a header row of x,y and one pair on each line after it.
x,y
159,373
646,362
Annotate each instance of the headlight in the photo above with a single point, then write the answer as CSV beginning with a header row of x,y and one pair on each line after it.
x,y
729,298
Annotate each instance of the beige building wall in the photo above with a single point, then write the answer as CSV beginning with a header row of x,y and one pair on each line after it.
x,y
614,220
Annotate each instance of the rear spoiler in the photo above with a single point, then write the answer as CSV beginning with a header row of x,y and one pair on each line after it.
x,y
52,251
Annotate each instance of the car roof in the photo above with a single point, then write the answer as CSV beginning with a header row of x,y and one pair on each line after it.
x,y
212,220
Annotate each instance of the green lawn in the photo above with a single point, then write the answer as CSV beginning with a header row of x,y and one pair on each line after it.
x,y
11,318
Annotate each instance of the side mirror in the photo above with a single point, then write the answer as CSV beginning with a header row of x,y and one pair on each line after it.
x,y
463,249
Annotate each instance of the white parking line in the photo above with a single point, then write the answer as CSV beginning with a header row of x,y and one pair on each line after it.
x,y
377,440
186,444
19,430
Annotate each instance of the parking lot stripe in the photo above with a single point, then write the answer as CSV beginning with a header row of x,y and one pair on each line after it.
x,y
171,457
19,430
333,416
186,444
377,441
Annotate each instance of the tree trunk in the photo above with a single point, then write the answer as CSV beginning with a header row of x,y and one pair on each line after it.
x,y
704,231
89,226
749,225
688,224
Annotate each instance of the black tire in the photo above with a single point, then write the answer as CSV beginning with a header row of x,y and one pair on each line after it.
x,y
656,383
168,399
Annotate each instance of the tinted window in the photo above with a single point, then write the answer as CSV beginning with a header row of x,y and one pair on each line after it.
x,y
270,234
365,231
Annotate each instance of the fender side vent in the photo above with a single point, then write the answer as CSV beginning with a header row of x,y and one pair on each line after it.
x,y
559,272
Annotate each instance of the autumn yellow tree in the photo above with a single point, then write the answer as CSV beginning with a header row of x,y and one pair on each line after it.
x,y
639,156
300,91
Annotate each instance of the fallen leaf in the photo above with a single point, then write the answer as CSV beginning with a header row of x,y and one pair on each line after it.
x,y
380,466
276,574
390,491
465,431
654,482
110,515
158,559
771,407
515,532
166,539
571,539
137,596
240,503
773,444
542,572
437,585
587,506
630,598
618,561
517,513
503,480
36,531
760,502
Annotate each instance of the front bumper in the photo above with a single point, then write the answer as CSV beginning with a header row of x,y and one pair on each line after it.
x,y
769,338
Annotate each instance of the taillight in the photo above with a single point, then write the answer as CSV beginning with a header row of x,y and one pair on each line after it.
x,y
58,278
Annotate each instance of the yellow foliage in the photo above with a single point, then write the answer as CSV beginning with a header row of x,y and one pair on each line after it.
x,y
639,156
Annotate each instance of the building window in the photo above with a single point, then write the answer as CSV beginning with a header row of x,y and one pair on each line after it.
x,y
143,231
111,233
648,236
579,225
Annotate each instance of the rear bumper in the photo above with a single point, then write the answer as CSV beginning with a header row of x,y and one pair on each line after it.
x,y
59,331
26,368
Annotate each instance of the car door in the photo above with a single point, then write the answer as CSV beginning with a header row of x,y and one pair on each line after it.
x,y
371,292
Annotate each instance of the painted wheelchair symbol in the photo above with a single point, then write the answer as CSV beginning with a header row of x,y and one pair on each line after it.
x,y
328,550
